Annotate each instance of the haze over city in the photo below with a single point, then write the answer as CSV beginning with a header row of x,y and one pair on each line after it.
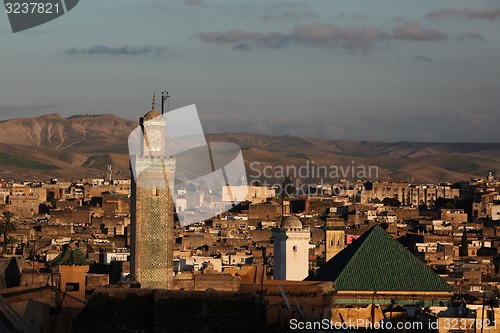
x,y
357,70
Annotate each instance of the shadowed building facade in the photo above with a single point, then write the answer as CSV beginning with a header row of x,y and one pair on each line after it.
x,y
152,208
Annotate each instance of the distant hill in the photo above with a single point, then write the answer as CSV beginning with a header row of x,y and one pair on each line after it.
x,y
53,146
79,146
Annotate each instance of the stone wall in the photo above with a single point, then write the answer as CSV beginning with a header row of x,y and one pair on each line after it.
x,y
145,310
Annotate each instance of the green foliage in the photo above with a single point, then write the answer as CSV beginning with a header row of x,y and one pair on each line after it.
x,y
442,203
287,187
7,159
6,226
393,202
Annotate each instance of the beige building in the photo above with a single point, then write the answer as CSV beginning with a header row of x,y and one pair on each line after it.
x,y
410,194
455,216
291,250
24,206
254,194
334,237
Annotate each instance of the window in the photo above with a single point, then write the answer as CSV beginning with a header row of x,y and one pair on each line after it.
x,y
72,286
295,248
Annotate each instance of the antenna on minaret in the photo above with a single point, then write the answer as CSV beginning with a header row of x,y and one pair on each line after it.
x,y
165,97
154,100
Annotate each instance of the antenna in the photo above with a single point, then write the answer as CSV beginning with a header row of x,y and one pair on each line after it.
x,y
165,97
285,298
299,308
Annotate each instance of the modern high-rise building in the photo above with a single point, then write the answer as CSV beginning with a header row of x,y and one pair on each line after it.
x,y
152,207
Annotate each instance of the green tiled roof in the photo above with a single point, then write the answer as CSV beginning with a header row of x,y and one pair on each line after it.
x,y
378,262
70,256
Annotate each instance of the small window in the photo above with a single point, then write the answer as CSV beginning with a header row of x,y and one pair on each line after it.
x,y
295,248
72,286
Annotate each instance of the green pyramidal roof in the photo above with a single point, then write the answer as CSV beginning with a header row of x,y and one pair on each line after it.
x,y
70,256
378,262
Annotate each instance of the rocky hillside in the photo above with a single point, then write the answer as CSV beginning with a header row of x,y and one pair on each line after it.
x,y
79,146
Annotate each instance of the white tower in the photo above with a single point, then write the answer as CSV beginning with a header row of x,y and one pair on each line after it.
x,y
291,250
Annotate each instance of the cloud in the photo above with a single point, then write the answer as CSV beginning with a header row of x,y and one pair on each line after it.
x,y
311,15
289,4
471,36
270,18
351,15
123,50
421,58
319,35
413,31
351,38
491,14
194,3
289,15
242,47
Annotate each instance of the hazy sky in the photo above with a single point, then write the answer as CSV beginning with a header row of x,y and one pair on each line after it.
x,y
383,70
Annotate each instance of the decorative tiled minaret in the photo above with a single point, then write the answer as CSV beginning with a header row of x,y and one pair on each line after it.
x,y
152,208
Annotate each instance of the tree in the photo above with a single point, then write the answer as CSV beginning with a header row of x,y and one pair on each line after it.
x,y
6,226
393,202
442,203
287,188
12,242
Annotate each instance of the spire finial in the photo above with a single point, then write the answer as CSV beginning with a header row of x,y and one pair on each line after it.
x,y
154,100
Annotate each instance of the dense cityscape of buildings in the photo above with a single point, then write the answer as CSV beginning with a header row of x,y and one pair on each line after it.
x,y
108,254
269,239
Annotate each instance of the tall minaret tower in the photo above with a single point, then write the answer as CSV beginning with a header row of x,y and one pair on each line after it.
x,y
334,237
152,208
291,250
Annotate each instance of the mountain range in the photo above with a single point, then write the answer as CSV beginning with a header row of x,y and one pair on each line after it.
x,y
84,145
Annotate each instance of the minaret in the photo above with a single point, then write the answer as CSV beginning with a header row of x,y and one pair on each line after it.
x,y
152,208
291,250
334,237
